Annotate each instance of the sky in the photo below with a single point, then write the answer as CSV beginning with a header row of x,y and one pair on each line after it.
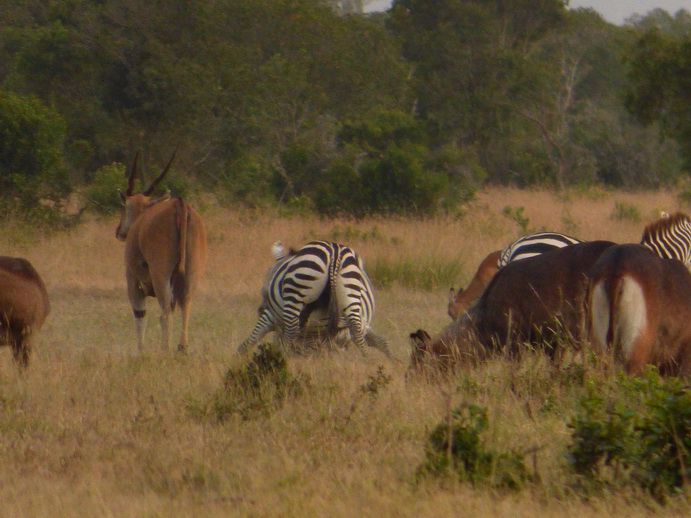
x,y
614,11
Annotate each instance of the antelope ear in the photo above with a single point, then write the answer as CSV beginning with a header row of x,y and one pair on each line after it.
x,y
154,201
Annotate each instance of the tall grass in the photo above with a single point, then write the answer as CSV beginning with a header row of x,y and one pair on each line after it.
x,y
96,428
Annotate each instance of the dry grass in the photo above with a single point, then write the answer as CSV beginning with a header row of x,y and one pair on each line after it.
x,y
96,429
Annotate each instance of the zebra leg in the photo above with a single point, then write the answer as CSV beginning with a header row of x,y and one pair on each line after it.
x,y
262,327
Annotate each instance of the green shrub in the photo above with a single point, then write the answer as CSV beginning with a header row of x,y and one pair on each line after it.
x,y
638,433
516,214
456,447
625,211
263,384
31,160
102,194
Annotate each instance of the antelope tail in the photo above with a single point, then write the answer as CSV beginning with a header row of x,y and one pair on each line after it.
x,y
183,214
179,280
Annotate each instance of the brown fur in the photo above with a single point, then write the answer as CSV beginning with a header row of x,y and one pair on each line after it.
x,y
645,301
459,302
24,306
165,255
537,301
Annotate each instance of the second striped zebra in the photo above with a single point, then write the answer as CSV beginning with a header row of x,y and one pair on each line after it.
x,y
323,287
522,248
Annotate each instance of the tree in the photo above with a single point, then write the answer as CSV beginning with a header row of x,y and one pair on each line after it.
x,y
660,75
31,166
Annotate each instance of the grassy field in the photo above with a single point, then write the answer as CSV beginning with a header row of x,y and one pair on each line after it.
x,y
96,429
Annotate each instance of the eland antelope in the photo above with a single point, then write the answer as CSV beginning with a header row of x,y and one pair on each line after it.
x,y
24,306
165,254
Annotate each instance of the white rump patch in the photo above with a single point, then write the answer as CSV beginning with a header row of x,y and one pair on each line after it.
x,y
632,316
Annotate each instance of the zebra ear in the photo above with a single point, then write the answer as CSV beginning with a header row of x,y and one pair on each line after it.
x,y
278,250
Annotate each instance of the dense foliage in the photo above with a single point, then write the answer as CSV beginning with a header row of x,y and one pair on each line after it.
x,y
315,104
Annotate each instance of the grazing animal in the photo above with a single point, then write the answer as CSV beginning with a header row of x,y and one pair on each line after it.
x,y
639,310
536,301
459,301
24,306
670,237
522,248
165,254
322,285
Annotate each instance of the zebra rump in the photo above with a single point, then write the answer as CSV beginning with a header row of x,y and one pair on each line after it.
x,y
535,244
320,288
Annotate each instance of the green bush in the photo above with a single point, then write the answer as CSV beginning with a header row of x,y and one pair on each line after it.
x,y
31,160
102,194
625,211
263,384
456,447
638,433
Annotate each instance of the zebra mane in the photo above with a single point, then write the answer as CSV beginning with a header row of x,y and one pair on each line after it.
x,y
665,224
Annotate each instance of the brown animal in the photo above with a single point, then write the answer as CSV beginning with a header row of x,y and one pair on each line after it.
x,y
639,310
24,306
522,248
459,301
536,300
165,254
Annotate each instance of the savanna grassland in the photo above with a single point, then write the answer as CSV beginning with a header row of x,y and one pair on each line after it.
x,y
94,428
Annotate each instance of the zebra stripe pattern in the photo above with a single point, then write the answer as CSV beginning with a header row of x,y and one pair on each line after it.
x,y
534,244
324,286
670,237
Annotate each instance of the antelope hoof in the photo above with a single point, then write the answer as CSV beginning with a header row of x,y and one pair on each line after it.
x,y
182,348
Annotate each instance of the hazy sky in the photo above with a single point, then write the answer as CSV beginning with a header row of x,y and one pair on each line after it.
x,y
614,11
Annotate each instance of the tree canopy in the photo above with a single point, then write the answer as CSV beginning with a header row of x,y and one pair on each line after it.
x,y
316,104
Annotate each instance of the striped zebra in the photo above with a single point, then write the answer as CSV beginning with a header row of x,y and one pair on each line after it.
x,y
670,237
323,285
522,248
534,244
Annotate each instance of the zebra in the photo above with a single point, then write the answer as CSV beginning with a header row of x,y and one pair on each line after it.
x,y
670,237
534,244
322,285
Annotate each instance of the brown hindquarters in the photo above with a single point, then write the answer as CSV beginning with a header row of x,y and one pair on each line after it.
x,y
536,300
24,305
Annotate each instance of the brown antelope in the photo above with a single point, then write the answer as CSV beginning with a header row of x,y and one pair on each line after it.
x,y
459,301
523,248
165,254
639,310
537,301
24,306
